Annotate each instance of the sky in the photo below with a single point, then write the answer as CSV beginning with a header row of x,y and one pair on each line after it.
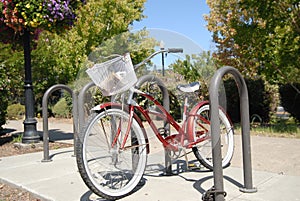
x,y
184,18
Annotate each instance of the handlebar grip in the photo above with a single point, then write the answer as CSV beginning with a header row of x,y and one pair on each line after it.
x,y
175,50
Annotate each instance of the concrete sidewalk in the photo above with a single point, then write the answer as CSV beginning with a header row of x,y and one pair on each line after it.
x,y
59,180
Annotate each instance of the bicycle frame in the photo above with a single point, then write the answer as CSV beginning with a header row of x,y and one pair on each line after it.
x,y
185,132
113,146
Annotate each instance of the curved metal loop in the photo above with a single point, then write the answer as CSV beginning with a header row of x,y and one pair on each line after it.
x,y
45,117
215,125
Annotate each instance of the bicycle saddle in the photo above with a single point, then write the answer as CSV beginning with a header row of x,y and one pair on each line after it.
x,y
191,87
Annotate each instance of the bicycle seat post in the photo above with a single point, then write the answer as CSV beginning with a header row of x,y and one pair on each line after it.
x,y
187,88
185,106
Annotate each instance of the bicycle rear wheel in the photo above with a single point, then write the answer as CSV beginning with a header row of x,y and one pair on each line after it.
x,y
203,150
108,169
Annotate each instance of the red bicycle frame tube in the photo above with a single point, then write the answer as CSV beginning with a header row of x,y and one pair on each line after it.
x,y
109,105
167,117
164,115
117,136
189,124
131,109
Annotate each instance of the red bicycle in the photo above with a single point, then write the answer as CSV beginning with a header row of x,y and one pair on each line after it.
x,y
113,146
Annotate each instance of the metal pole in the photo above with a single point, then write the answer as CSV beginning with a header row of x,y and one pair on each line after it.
x,y
75,119
215,124
163,64
30,133
246,146
245,122
45,117
166,104
81,100
162,58
215,134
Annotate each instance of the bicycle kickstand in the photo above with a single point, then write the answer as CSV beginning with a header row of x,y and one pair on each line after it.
x,y
186,159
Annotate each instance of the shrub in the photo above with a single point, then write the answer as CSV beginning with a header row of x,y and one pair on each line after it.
x,y
3,106
259,99
61,109
3,95
15,111
290,99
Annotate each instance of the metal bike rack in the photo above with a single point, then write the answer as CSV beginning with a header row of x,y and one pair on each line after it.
x,y
45,117
166,104
78,113
81,100
142,80
215,125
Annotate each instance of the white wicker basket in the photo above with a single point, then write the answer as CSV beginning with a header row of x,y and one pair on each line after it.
x,y
114,76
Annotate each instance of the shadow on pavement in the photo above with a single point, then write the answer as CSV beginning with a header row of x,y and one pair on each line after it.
x,y
57,135
198,184
58,153
90,196
7,135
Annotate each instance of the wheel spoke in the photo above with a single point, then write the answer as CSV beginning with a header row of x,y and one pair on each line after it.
x,y
203,150
108,170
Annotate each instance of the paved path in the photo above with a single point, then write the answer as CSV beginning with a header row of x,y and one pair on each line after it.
x,y
276,174
277,155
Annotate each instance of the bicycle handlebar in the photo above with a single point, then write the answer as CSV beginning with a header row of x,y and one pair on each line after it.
x,y
169,50
175,50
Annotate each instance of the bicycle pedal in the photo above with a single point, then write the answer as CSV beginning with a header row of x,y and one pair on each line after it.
x,y
192,165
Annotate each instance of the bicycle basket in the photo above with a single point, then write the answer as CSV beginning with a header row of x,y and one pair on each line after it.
x,y
114,76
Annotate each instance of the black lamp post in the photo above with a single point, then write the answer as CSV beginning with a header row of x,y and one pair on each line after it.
x,y
162,47
30,133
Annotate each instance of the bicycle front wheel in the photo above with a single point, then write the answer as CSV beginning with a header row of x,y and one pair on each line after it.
x,y
111,164
203,150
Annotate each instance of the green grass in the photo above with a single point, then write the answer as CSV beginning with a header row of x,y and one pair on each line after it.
x,y
291,131
17,138
279,128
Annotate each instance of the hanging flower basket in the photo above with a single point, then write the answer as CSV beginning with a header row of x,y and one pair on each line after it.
x,y
51,15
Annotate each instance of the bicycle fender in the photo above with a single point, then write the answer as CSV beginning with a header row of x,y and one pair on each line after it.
x,y
190,121
105,105
195,109
200,104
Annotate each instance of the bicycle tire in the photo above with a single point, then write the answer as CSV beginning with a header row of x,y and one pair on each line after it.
x,y
108,171
203,150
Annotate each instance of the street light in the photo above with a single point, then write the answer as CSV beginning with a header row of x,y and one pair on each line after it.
x,y
162,47
30,133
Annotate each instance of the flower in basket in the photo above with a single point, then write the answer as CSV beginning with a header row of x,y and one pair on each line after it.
x,y
52,15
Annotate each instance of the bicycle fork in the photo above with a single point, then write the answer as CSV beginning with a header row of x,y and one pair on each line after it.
x,y
119,140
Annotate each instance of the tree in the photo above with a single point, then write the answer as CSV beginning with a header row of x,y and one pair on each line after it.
x,y
12,62
290,99
138,44
3,95
59,55
199,67
25,18
202,67
258,37
57,58
100,20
